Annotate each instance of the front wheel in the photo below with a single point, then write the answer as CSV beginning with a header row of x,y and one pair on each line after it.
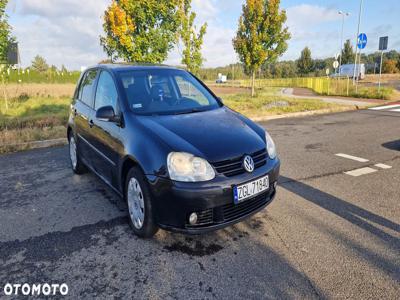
x,y
76,164
139,201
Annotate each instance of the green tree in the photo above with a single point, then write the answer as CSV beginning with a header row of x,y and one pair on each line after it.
x,y
192,41
389,66
39,64
140,30
305,63
64,70
260,37
347,53
5,32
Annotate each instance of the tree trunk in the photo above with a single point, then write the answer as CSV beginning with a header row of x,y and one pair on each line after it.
x,y
253,82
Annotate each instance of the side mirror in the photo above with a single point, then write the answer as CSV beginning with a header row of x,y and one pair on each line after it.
x,y
106,114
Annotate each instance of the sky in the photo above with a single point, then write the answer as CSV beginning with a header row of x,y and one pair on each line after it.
x,y
67,31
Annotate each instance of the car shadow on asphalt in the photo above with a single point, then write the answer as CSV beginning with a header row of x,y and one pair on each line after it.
x,y
393,145
244,255
354,214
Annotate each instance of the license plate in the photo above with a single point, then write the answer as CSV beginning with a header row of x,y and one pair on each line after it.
x,y
250,189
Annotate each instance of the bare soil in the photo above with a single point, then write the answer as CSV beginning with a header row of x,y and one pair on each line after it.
x,y
226,90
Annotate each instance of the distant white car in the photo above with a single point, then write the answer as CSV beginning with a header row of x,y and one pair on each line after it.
x,y
221,78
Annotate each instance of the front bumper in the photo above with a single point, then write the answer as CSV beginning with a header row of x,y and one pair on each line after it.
x,y
212,201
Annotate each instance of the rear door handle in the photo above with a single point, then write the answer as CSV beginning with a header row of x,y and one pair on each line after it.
x,y
91,123
75,112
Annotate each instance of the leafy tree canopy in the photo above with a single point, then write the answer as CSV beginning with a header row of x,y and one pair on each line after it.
x,y
140,30
5,32
39,64
260,37
347,53
192,41
305,62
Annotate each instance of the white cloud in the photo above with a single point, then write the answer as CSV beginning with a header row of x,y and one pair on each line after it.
x,y
217,48
62,8
64,32
303,19
206,10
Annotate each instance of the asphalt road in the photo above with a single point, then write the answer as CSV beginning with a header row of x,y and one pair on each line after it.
x,y
327,234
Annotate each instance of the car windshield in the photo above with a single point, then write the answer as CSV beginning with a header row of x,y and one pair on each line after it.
x,y
158,91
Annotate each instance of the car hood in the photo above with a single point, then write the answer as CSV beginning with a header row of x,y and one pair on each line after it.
x,y
215,135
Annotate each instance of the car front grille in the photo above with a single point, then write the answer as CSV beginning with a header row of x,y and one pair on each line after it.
x,y
205,217
232,167
234,211
231,211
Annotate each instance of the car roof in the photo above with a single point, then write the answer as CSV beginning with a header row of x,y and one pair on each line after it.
x,y
117,67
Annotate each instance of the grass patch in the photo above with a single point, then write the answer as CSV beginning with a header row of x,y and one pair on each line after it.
x,y
32,119
373,93
267,103
34,113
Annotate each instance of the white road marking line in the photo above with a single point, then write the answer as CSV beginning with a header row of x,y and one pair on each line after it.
x,y
359,159
383,166
385,107
395,110
360,172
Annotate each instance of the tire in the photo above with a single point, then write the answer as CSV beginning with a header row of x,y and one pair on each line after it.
x,y
139,200
76,164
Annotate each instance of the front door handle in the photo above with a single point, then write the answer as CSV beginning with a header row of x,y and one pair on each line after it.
x,y
91,123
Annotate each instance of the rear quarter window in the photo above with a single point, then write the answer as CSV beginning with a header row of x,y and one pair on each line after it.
x,y
86,88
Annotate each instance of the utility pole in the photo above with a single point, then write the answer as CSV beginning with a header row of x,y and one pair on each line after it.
x,y
358,33
341,37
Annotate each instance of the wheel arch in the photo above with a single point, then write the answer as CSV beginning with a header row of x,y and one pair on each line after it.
x,y
128,163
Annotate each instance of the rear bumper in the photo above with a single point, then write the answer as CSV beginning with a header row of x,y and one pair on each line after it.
x,y
212,201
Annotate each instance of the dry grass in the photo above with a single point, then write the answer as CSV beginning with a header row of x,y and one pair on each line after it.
x,y
374,78
32,119
17,139
268,103
37,90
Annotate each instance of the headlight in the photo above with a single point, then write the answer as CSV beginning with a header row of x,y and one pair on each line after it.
x,y
188,168
271,148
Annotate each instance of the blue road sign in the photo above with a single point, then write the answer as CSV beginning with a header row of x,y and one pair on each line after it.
x,y
362,41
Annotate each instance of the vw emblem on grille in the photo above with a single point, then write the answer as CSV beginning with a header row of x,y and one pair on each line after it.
x,y
248,164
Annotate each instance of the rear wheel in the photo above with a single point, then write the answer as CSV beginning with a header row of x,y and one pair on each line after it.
x,y
139,202
76,164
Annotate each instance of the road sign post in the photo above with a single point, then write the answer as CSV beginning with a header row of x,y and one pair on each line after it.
x,y
341,37
335,66
358,33
383,44
361,44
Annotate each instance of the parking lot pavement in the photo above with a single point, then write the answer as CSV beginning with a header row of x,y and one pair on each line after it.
x,y
328,234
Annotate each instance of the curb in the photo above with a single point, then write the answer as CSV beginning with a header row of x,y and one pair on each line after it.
x,y
38,144
304,114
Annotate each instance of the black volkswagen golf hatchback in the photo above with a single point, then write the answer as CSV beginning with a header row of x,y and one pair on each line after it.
x,y
164,142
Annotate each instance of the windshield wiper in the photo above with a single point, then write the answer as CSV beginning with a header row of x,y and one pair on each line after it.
x,y
193,110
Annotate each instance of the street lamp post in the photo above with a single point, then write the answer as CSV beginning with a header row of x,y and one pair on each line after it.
x,y
343,14
358,33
